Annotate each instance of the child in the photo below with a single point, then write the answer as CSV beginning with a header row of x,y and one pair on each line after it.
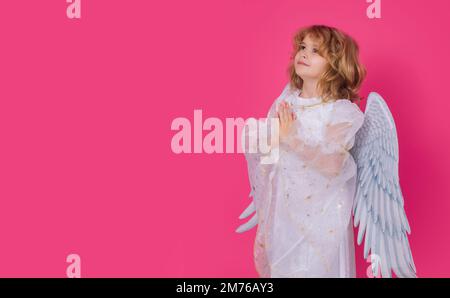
x,y
304,200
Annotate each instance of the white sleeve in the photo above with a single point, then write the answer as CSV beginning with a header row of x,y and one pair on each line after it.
x,y
328,150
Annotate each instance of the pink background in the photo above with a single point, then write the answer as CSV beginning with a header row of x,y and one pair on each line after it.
x,y
86,165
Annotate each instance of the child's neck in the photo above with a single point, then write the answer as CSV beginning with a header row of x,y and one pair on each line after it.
x,y
309,89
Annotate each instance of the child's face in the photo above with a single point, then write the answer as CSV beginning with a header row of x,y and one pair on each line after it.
x,y
308,53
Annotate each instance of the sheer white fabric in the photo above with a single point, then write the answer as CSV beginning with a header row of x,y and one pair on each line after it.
x,y
304,200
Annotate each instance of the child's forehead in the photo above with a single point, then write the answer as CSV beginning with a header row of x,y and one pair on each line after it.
x,y
311,40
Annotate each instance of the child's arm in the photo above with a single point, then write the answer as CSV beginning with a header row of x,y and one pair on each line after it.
x,y
328,156
329,164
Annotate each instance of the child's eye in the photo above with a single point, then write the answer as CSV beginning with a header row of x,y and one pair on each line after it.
x,y
314,50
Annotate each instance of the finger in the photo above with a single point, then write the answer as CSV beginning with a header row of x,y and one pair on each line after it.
x,y
294,115
280,120
280,110
284,113
287,110
281,113
291,112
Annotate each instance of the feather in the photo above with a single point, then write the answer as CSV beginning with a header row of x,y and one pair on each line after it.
x,y
249,210
248,225
363,224
379,203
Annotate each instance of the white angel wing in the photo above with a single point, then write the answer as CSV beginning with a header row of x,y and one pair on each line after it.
x,y
378,203
252,222
255,180
257,175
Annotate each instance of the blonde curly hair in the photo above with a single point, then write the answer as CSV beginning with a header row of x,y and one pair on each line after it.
x,y
344,74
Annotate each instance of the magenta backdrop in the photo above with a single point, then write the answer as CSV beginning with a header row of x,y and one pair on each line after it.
x,y
86,165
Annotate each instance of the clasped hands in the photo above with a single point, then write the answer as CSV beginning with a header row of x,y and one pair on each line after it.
x,y
286,116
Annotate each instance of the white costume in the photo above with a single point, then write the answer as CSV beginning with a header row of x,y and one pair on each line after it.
x,y
304,200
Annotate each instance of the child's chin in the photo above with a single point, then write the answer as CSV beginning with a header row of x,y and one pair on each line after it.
x,y
302,74
300,70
